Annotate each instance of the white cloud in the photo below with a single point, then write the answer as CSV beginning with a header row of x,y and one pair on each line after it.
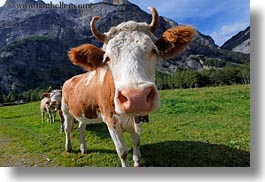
x,y
227,31
2,2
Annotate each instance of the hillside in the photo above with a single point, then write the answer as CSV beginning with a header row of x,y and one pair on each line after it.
x,y
34,42
239,43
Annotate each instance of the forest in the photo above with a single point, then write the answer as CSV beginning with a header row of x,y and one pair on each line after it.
x,y
183,78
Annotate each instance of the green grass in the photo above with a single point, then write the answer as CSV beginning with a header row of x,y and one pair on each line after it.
x,y
194,127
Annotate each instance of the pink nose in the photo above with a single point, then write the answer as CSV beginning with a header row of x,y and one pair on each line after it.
x,y
136,101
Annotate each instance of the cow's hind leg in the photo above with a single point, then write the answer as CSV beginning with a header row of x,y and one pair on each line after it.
x,y
62,121
82,129
121,148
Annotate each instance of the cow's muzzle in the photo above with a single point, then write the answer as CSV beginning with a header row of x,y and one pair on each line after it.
x,y
137,100
53,105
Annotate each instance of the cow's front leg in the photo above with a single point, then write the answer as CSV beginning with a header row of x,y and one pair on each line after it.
x,y
121,148
48,113
82,129
136,148
50,118
69,121
42,116
53,116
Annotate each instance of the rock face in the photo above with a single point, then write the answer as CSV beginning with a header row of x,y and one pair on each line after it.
x,y
116,2
34,41
239,43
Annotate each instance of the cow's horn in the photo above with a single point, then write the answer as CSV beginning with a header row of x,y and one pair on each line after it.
x,y
155,19
99,35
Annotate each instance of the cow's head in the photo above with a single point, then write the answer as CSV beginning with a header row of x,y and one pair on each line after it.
x,y
130,52
53,98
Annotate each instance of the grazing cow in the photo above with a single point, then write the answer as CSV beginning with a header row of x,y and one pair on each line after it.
x,y
120,82
51,103
45,108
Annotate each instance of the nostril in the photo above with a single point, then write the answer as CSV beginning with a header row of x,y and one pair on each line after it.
x,y
150,95
122,98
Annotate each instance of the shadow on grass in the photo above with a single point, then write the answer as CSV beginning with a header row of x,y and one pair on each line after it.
x,y
183,153
100,129
192,154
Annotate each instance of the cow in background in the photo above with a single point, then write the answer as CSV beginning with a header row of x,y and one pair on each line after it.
x,y
120,82
50,104
45,109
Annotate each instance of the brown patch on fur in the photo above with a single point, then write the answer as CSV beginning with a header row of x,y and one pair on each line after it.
x,y
92,98
174,40
87,56
78,96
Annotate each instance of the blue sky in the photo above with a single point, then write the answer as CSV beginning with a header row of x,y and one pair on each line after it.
x,y
221,19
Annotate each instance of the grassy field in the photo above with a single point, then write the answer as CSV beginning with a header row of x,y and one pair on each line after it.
x,y
194,127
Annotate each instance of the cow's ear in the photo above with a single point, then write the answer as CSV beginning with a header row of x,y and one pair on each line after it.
x,y
48,95
87,56
174,40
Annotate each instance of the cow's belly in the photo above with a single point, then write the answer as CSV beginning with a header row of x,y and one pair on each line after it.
x,y
83,119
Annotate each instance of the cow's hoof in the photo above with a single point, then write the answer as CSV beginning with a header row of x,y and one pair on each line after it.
x,y
68,151
84,151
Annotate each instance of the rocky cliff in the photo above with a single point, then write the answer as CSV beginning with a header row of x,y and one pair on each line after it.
x,y
34,42
239,43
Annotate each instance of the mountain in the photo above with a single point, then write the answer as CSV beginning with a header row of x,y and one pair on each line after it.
x,y
34,41
239,43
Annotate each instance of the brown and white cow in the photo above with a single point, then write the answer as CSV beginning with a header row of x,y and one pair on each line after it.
x,y
120,82
46,109
50,104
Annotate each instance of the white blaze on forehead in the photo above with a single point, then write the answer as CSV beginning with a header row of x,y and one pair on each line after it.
x,y
129,27
131,61
56,95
